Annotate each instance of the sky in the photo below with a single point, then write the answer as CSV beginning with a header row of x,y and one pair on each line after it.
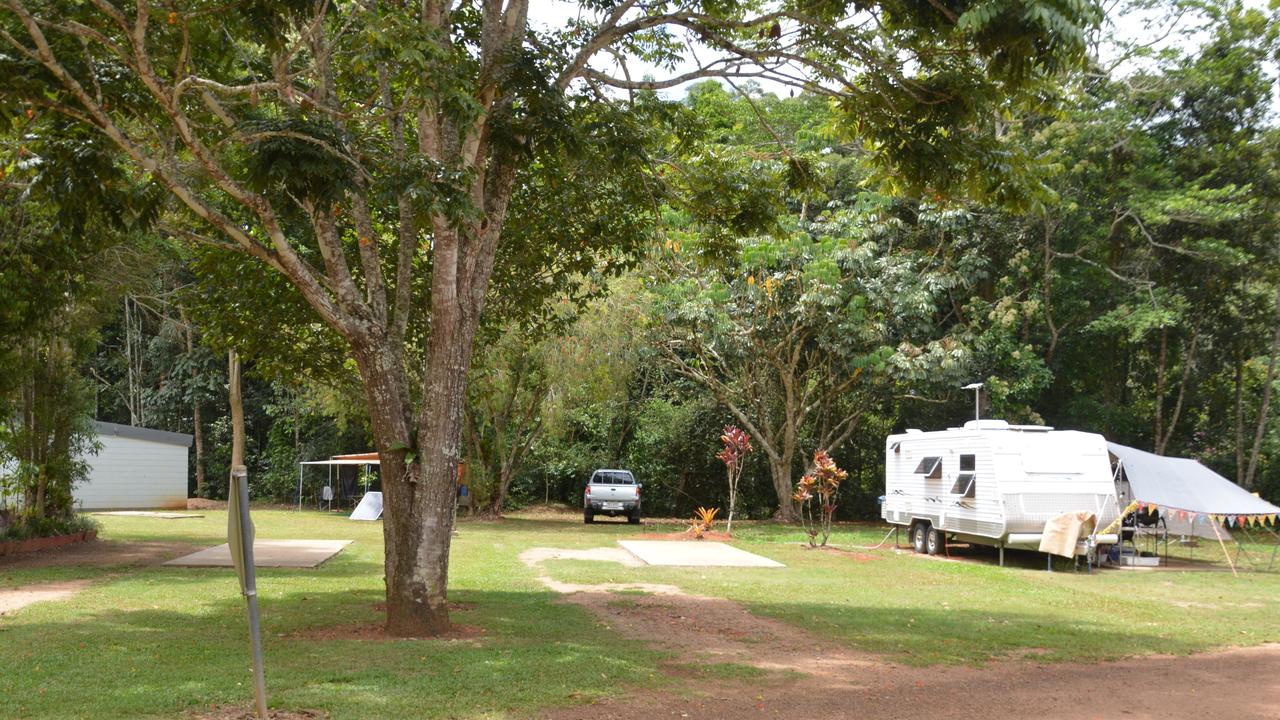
x,y
1131,26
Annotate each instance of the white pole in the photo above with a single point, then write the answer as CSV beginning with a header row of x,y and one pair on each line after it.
x,y
299,487
977,395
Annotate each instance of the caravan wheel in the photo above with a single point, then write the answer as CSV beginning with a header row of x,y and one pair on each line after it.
x,y
918,533
934,542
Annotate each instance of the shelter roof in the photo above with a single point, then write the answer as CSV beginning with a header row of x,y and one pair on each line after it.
x,y
1185,484
141,433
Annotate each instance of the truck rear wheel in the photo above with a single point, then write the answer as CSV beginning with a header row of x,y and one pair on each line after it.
x,y
934,542
918,532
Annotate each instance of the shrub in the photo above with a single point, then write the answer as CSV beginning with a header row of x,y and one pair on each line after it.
x,y
819,487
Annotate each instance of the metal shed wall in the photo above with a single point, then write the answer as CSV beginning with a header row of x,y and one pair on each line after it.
x,y
136,468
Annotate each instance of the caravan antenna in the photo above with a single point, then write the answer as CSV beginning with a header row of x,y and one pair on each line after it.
x,y
977,393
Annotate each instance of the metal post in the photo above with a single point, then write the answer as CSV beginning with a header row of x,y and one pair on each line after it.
x,y
299,487
240,477
1001,554
977,395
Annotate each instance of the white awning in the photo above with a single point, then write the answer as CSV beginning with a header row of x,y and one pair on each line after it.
x,y
339,462
1185,484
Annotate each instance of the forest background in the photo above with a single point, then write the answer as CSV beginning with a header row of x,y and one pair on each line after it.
x,y
1116,272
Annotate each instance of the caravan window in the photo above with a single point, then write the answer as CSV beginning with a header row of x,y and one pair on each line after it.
x,y
930,467
965,485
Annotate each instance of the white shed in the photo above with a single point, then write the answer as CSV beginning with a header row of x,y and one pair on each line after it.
x,y
136,468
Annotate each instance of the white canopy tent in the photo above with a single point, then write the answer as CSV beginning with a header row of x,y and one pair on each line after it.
x,y
362,459
1193,499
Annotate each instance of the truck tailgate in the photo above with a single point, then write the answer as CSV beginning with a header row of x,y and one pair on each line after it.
x,y
613,493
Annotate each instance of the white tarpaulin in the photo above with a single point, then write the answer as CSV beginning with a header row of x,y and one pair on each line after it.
x,y
370,507
1181,484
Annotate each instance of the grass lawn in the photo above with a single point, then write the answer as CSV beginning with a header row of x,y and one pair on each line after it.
x,y
156,642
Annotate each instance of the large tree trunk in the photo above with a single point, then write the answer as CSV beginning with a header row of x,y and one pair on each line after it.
x,y
419,533
419,484
780,472
500,494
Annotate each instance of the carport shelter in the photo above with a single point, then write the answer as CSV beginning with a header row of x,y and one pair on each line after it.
x,y
347,483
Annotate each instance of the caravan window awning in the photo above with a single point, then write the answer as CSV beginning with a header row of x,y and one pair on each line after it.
x,y
1185,484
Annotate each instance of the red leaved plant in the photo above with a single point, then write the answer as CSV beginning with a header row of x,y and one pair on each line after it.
x,y
819,487
737,445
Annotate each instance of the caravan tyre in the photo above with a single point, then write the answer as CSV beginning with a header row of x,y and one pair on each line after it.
x,y
918,532
934,542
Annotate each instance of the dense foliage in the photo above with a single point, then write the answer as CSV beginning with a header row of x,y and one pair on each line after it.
x,y
816,271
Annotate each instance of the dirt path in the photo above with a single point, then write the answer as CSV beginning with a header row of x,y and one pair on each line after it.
x,y
812,677
14,599
96,553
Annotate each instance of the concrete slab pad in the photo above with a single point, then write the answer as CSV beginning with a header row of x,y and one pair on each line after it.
x,y
150,513
694,553
268,553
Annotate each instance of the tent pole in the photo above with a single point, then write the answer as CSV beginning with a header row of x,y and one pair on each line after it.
x,y
1224,550
1240,550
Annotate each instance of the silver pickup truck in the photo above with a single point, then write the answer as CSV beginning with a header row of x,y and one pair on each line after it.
x,y
612,493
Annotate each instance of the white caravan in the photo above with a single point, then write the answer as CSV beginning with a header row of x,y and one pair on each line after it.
x,y
994,483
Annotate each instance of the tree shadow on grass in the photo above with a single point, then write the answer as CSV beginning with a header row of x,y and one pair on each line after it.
x,y
106,663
